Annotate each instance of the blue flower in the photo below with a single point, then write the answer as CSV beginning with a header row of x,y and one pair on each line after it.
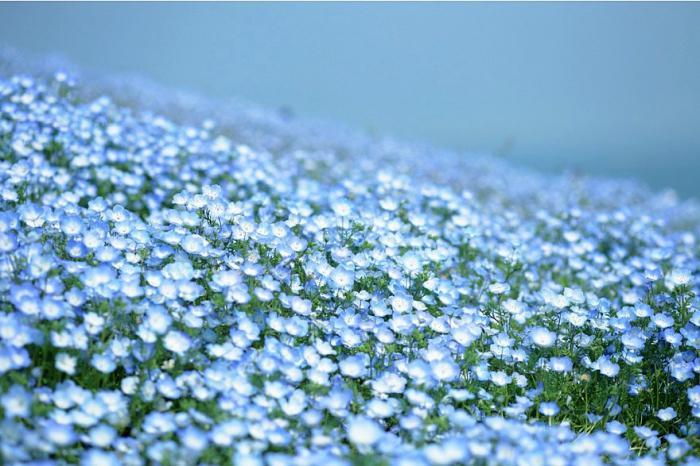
x,y
259,290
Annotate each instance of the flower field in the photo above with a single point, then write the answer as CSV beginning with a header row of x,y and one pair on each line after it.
x,y
251,289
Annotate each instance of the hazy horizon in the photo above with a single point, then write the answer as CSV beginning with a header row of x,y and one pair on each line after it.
x,y
605,89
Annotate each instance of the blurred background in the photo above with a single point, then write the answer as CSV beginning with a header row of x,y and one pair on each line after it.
x,y
599,88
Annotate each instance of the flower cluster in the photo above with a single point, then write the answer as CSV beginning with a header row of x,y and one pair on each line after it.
x,y
172,294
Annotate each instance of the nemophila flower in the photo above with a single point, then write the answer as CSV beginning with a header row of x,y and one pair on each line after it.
x,y
446,452
98,457
411,262
672,337
94,323
8,242
666,414
390,382
354,366
59,434
16,402
503,340
419,371
513,306
558,301
401,303
301,306
342,208
542,337
548,409
158,319
297,306
342,278
694,396
445,370
678,447
102,436
662,320
364,432
633,340
194,244
378,408
500,378
678,277
177,342
66,363
560,364
615,427
97,276
71,225
33,215
606,367
649,436
194,439
466,334
680,369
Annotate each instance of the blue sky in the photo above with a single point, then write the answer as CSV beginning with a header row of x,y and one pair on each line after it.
x,y
609,88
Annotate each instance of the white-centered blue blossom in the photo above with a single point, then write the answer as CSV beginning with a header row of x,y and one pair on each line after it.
x,y
548,409
666,414
606,366
177,342
233,286
364,432
542,337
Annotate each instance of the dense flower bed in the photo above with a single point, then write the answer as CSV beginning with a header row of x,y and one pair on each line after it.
x,y
170,295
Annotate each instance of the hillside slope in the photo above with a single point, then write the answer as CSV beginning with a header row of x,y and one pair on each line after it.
x,y
255,288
